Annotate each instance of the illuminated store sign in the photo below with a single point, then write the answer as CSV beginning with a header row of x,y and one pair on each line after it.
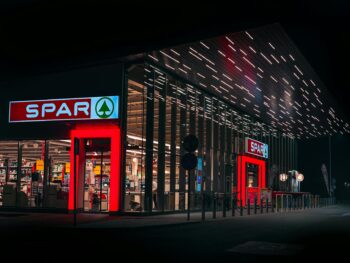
x,y
90,108
256,148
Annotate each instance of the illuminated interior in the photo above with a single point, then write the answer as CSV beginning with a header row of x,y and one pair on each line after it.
x,y
32,172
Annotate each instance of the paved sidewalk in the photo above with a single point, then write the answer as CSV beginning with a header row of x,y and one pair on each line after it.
x,y
20,219
179,219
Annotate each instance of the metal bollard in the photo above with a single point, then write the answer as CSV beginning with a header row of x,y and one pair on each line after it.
x,y
224,206
255,205
234,203
261,206
241,208
294,204
214,206
267,205
314,201
272,206
303,202
203,206
297,203
248,211
276,204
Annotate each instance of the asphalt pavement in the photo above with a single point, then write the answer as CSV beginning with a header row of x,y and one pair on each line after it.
x,y
303,235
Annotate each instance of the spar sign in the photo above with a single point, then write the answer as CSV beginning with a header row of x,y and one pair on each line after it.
x,y
256,148
90,108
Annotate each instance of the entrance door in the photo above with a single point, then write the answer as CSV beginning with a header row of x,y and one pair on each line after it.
x,y
249,177
97,175
95,169
252,182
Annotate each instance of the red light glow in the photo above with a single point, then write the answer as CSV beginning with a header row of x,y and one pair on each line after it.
x,y
242,160
99,131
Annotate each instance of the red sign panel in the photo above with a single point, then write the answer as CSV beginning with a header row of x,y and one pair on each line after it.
x,y
256,148
64,109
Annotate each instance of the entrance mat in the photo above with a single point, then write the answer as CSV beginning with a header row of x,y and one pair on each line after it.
x,y
266,248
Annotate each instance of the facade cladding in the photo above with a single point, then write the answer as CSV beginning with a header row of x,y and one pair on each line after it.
x,y
248,97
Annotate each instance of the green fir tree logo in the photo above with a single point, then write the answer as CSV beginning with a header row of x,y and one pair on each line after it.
x,y
104,107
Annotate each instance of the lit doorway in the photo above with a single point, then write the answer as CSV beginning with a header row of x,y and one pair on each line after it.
x,y
95,169
251,177
97,175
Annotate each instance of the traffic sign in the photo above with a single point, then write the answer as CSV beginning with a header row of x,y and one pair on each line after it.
x,y
189,161
190,143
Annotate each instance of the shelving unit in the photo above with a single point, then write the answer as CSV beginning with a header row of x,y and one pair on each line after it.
x,y
93,181
59,176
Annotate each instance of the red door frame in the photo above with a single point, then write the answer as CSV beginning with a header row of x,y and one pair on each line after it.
x,y
242,160
91,132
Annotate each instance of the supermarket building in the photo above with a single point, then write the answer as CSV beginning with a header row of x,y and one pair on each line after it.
x,y
248,97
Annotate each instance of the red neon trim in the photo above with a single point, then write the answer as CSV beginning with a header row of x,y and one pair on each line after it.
x,y
98,131
239,177
242,160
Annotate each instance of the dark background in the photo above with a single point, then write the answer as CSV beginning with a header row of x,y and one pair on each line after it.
x,y
315,152
39,36
36,32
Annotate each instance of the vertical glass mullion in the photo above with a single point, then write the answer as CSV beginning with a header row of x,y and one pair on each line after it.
x,y
173,148
161,144
182,177
149,142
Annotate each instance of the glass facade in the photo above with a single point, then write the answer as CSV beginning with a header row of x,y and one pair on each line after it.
x,y
41,176
162,110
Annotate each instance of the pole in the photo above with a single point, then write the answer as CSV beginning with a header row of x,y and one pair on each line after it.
x,y
267,205
255,205
188,195
248,211
76,151
241,208
203,200
330,165
234,203
214,205
101,180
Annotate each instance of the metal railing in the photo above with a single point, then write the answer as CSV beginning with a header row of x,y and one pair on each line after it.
x,y
227,204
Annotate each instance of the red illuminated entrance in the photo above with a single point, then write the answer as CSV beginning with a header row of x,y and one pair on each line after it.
x,y
242,162
82,132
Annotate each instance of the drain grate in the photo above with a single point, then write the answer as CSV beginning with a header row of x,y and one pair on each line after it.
x,y
266,248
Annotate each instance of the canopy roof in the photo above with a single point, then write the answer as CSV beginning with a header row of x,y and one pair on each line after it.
x,y
261,72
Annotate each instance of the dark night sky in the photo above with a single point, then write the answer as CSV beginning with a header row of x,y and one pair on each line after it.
x,y
38,34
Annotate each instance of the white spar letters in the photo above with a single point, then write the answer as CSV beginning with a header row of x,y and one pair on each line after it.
x,y
32,111
82,106
47,107
89,108
63,110
256,147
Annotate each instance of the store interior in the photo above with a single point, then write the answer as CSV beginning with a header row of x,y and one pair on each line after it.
x,y
33,169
